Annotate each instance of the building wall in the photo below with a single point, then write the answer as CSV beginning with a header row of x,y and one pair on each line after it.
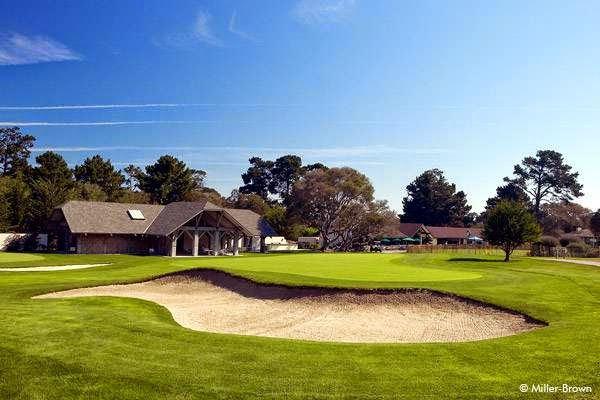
x,y
115,244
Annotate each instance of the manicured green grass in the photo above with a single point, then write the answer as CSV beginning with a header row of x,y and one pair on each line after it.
x,y
115,348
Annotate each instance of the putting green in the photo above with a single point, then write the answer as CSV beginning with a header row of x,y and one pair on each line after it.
x,y
18,257
339,267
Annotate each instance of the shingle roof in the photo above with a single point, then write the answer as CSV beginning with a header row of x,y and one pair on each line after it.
x,y
112,218
587,233
176,214
409,228
453,233
252,222
101,217
445,232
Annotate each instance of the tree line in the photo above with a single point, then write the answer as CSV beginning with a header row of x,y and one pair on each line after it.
x,y
296,199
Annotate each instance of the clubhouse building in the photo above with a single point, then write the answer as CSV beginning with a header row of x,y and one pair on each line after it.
x,y
175,229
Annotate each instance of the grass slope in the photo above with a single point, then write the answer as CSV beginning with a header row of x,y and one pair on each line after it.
x,y
114,348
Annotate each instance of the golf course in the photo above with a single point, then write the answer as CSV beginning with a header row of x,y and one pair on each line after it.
x,y
124,348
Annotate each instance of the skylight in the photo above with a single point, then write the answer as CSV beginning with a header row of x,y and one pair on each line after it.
x,y
135,214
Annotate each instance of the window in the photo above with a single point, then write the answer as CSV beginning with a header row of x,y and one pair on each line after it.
x,y
135,214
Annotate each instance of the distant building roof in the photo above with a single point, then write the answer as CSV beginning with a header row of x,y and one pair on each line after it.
x,y
444,232
453,233
115,218
409,228
584,233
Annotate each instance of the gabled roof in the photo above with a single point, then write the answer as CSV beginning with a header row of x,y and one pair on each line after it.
x,y
111,218
444,232
252,222
410,229
176,214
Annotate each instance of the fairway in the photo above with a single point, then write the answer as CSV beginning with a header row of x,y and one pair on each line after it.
x,y
111,347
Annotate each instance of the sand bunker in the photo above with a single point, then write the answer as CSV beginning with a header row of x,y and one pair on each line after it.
x,y
213,301
56,268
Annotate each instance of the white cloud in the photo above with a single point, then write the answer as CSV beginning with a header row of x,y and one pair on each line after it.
x,y
235,29
200,32
17,49
322,11
203,31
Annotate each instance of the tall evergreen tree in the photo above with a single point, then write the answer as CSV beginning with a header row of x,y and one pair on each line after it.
x,y
168,180
257,179
286,171
432,200
98,171
546,176
51,185
15,149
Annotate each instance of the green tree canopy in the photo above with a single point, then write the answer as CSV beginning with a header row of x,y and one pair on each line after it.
x,y
285,172
98,171
546,176
511,192
510,225
132,174
51,185
432,200
248,201
257,179
325,198
564,217
167,180
15,149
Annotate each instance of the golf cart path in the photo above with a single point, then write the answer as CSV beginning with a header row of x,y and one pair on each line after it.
x,y
566,260
54,268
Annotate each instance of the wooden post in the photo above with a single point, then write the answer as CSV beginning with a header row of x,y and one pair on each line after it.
x,y
216,242
236,242
174,245
196,243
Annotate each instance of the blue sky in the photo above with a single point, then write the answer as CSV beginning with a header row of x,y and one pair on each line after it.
x,y
389,87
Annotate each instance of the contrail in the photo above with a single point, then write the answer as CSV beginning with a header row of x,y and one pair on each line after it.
x,y
147,105
109,123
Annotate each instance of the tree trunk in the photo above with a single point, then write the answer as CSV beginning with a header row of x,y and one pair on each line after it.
x,y
325,244
507,252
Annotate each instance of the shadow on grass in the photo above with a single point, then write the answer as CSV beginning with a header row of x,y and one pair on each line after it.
x,y
475,259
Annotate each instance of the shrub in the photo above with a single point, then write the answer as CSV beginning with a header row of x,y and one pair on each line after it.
x,y
578,249
567,239
577,246
548,241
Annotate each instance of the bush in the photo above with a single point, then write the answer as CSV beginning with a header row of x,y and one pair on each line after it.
x,y
567,239
548,241
578,249
577,246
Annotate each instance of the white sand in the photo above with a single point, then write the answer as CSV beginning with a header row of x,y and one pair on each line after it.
x,y
57,268
213,301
